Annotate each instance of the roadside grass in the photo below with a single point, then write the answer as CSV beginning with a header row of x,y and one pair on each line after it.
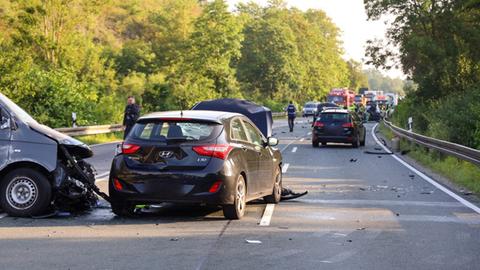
x,y
462,173
385,130
101,138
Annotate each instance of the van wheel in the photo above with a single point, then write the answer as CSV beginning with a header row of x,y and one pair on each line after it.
x,y
25,193
237,209
276,195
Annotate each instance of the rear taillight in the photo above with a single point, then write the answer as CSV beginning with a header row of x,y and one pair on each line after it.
x,y
128,148
117,184
347,125
319,124
215,187
220,151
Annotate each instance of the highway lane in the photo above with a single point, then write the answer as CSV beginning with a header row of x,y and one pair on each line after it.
x,y
368,214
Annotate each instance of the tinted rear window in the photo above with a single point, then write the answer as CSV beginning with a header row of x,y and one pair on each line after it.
x,y
175,131
334,117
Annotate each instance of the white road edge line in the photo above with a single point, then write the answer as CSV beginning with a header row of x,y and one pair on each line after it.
x,y
102,175
3,215
285,167
426,178
267,215
294,149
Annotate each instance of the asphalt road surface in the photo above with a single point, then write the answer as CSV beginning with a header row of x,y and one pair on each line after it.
x,y
363,211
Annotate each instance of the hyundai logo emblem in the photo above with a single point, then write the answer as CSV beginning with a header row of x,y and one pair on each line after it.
x,y
166,154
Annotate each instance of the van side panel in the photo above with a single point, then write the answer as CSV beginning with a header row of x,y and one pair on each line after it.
x,y
29,145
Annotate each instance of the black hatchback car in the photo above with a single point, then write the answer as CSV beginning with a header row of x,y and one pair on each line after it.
x,y
204,157
338,126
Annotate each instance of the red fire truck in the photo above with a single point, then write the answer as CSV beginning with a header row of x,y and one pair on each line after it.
x,y
341,97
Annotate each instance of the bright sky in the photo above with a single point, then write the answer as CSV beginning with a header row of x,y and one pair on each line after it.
x,y
350,17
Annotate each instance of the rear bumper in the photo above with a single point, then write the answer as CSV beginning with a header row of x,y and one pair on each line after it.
x,y
176,186
334,139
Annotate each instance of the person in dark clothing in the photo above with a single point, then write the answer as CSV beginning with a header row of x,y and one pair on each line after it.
x,y
132,112
292,113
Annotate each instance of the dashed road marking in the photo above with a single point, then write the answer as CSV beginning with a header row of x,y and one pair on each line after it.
x,y
102,175
285,167
267,215
294,149
426,178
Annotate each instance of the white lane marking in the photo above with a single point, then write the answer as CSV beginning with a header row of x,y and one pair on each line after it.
x,y
302,139
267,215
100,176
285,167
286,146
426,178
294,149
101,180
309,133
3,215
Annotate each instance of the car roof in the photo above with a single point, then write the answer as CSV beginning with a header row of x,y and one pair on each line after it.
x,y
335,111
213,116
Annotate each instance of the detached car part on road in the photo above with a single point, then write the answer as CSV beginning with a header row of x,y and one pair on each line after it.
x,y
201,157
41,169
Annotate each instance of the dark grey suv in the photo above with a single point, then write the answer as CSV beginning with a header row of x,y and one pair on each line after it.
x,y
40,169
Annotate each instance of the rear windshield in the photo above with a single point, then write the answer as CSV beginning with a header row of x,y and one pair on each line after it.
x,y
334,117
335,99
173,131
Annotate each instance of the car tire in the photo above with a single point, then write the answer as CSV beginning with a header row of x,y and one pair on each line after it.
x,y
237,209
315,144
356,142
123,209
362,142
276,195
25,193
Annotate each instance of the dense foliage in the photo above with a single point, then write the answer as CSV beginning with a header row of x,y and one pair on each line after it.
x,y
438,48
86,56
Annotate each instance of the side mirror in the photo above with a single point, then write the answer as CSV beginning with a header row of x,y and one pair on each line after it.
x,y
5,124
272,141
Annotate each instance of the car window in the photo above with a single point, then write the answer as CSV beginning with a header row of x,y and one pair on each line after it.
x,y
174,130
334,117
255,137
237,131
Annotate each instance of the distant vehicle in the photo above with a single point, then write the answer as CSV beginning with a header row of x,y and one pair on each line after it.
x,y
323,106
360,100
41,169
392,99
338,126
204,157
381,100
341,97
309,109
362,91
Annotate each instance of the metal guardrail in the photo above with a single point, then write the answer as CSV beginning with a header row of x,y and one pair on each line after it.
x,y
90,130
93,130
449,148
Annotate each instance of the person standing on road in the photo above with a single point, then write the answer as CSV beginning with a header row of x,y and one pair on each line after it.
x,y
132,112
292,113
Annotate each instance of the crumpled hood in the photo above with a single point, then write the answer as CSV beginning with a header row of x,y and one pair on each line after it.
x,y
76,147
